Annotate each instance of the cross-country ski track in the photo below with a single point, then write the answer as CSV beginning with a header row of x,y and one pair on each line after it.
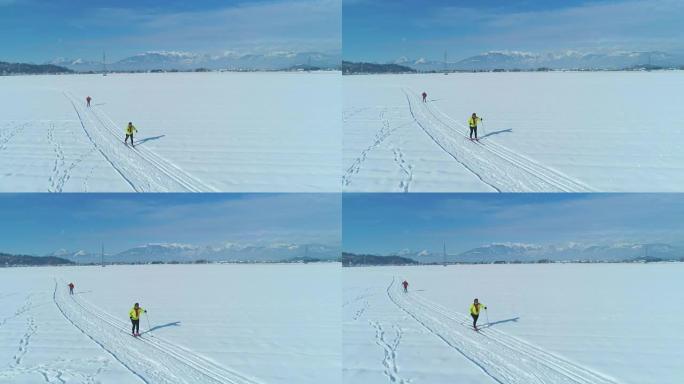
x,y
504,358
500,168
142,169
150,358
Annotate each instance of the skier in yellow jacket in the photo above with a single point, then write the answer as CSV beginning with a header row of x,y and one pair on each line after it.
x,y
472,123
134,314
475,308
130,130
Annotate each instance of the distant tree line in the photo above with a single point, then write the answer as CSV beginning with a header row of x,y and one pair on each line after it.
x,y
351,68
7,260
31,69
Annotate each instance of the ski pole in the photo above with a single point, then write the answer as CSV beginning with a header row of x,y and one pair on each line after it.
x,y
149,329
483,128
487,314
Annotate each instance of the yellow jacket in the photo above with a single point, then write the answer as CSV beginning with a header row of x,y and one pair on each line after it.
x,y
130,129
473,122
475,309
135,315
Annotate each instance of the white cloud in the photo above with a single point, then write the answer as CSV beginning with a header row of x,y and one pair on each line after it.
x,y
627,25
255,27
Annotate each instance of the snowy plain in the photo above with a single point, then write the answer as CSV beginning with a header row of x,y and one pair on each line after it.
x,y
241,324
559,323
542,132
197,132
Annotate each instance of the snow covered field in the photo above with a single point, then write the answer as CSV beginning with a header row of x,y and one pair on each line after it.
x,y
560,323
241,324
561,131
197,132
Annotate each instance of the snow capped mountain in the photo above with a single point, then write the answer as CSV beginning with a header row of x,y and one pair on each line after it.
x,y
170,60
167,252
424,256
569,59
569,252
79,256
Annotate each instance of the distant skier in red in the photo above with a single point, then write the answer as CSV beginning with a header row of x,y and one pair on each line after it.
x,y
71,288
405,284
88,101
424,97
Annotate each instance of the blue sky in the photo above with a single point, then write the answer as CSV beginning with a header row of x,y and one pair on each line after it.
x,y
384,30
388,223
39,224
39,30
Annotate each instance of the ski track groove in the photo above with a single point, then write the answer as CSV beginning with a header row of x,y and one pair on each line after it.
x,y
496,166
389,361
49,374
502,357
99,148
169,169
142,169
548,174
465,165
143,356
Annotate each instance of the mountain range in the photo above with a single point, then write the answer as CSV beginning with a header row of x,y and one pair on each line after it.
x,y
569,60
174,60
510,252
233,252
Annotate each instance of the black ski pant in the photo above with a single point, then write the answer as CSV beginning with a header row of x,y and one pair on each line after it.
x,y
136,326
474,319
473,130
127,136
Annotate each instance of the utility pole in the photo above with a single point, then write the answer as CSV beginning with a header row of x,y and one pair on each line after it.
x,y
104,64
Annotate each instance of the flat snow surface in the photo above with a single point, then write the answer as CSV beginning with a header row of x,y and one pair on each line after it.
x,y
240,324
567,131
562,323
198,132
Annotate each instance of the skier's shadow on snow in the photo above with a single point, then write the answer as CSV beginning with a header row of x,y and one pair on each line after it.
x,y
149,139
173,324
514,320
510,130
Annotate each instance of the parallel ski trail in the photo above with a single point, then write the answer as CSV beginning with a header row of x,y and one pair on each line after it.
x,y
188,181
151,359
495,165
550,175
142,169
504,358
